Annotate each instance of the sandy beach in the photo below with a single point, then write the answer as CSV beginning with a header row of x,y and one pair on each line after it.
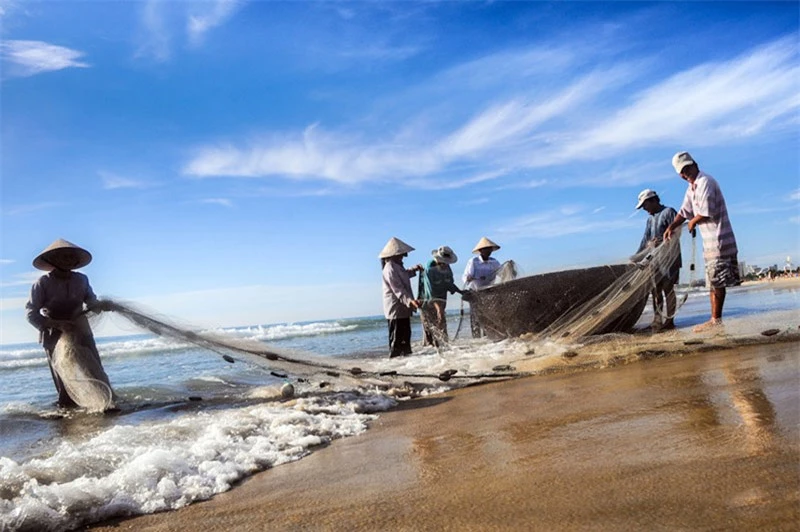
x,y
705,440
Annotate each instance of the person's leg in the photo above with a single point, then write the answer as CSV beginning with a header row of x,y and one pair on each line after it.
x,y
717,302
64,400
721,273
404,335
672,305
394,350
658,308
474,324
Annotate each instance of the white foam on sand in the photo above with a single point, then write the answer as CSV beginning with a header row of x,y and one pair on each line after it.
x,y
144,468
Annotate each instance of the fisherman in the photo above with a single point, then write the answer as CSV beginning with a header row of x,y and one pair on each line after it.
x,y
479,273
435,282
664,292
56,306
398,299
704,207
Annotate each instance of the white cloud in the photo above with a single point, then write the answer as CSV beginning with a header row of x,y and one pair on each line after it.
x,y
22,279
526,120
27,209
214,14
566,220
35,57
218,201
155,35
6,261
113,181
795,195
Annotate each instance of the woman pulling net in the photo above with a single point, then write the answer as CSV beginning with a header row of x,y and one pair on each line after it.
x,y
57,308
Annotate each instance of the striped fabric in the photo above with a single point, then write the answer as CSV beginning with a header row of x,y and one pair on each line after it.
x,y
704,198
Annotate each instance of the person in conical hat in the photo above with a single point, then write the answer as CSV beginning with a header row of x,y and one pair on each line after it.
x,y
398,298
480,272
434,284
56,305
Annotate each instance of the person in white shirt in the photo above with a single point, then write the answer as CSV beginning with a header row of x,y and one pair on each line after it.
x,y
398,299
480,272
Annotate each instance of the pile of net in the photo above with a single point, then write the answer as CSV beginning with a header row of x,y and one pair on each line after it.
x,y
77,363
577,303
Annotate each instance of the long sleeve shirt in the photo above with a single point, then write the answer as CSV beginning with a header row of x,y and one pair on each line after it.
x,y
704,198
397,294
480,273
437,281
63,297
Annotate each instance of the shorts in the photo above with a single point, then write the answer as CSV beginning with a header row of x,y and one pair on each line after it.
x,y
723,272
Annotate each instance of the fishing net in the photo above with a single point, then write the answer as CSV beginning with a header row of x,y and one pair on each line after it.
x,y
576,303
249,350
77,363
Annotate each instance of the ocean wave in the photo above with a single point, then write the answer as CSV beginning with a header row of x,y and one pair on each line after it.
x,y
136,469
286,331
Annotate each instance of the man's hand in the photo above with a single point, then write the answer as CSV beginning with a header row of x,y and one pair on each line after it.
x,y
467,295
414,303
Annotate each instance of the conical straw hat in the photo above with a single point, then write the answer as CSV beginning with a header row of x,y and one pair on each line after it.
x,y
485,243
49,258
394,247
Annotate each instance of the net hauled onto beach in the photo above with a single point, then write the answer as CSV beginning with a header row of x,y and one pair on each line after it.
x,y
576,303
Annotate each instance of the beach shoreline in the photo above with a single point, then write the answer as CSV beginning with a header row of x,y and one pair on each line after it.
x,y
699,440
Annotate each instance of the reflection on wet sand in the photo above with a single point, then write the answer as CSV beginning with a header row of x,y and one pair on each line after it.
x,y
708,441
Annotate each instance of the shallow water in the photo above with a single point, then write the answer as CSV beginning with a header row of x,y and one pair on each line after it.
x,y
164,449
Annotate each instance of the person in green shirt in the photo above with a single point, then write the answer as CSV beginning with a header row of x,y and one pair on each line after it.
x,y
435,283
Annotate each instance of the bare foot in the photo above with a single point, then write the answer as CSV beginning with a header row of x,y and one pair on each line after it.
x,y
710,325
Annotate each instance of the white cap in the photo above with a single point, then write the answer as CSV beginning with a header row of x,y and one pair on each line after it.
x,y
445,254
645,195
681,160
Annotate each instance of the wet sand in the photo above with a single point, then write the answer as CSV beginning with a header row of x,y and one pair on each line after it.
x,y
702,441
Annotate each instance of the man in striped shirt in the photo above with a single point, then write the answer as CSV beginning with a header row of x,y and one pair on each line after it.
x,y
704,207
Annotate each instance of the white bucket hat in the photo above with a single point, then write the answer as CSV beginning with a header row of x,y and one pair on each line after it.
x,y
645,195
394,247
50,258
681,160
445,254
485,243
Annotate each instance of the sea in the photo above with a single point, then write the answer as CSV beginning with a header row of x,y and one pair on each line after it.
x,y
192,423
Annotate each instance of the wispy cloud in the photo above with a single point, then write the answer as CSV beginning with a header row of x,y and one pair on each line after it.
x,y
6,261
113,181
566,220
155,35
218,201
162,23
28,58
795,195
213,14
27,209
526,120
22,279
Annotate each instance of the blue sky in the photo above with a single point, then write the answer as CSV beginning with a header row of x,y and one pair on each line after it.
x,y
234,163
